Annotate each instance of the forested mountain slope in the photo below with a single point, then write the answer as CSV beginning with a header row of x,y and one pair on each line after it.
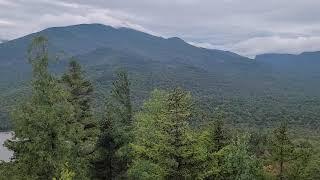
x,y
255,92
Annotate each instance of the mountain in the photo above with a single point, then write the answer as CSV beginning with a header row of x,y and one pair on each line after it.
x,y
88,41
236,83
300,70
290,60
85,38
80,39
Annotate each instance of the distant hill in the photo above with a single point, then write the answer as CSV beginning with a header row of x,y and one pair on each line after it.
x,y
2,41
309,59
80,39
215,76
301,71
85,39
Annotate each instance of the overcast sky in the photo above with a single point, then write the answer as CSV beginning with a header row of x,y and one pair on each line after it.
x,y
248,27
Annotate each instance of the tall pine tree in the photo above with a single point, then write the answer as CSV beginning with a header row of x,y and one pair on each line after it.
x,y
85,127
116,131
164,144
281,149
216,139
218,132
105,162
237,162
179,112
41,145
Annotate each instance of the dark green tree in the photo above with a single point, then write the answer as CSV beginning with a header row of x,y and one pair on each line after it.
x,y
150,140
164,145
312,170
41,145
105,161
179,112
281,149
116,130
301,161
85,127
66,174
120,100
218,132
216,139
258,143
237,163
81,91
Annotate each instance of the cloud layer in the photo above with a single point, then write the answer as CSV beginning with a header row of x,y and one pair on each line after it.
x,y
248,27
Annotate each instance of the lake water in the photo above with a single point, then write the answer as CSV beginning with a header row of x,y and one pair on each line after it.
x,y
5,154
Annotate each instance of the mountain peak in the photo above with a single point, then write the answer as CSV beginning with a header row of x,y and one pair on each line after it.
x,y
82,27
83,38
177,39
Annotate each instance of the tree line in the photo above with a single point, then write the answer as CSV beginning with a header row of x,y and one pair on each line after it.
x,y
58,136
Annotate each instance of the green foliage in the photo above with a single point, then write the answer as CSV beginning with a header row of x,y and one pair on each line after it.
x,y
281,149
163,137
252,92
258,143
119,110
301,158
105,162
116,130
212,138
84,129
66,173
40,124
218,133
9,171
237,163
169,138
287,159
121,98
149,139
146,170
312,169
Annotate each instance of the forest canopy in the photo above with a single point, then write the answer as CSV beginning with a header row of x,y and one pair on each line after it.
x,y
60,134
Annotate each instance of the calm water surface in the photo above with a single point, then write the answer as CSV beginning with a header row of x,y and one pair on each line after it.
x,y
5,154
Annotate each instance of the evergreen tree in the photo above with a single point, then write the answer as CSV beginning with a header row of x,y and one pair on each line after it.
x,y
116,130
40,144
281,149
85,127
218,133
105,162
164,145
237,163
120,102
66,173
81,94
178,112
150,143
8,170
258,143
301,161
216,139
312,170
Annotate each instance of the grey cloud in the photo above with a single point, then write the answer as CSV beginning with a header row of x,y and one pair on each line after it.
x,y
261,45
248,27
277,44
37,15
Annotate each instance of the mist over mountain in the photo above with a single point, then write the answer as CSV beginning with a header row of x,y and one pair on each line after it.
x,y
157,62
3,40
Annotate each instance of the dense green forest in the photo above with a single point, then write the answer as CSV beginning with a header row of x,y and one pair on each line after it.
x,y
61,134
253,93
